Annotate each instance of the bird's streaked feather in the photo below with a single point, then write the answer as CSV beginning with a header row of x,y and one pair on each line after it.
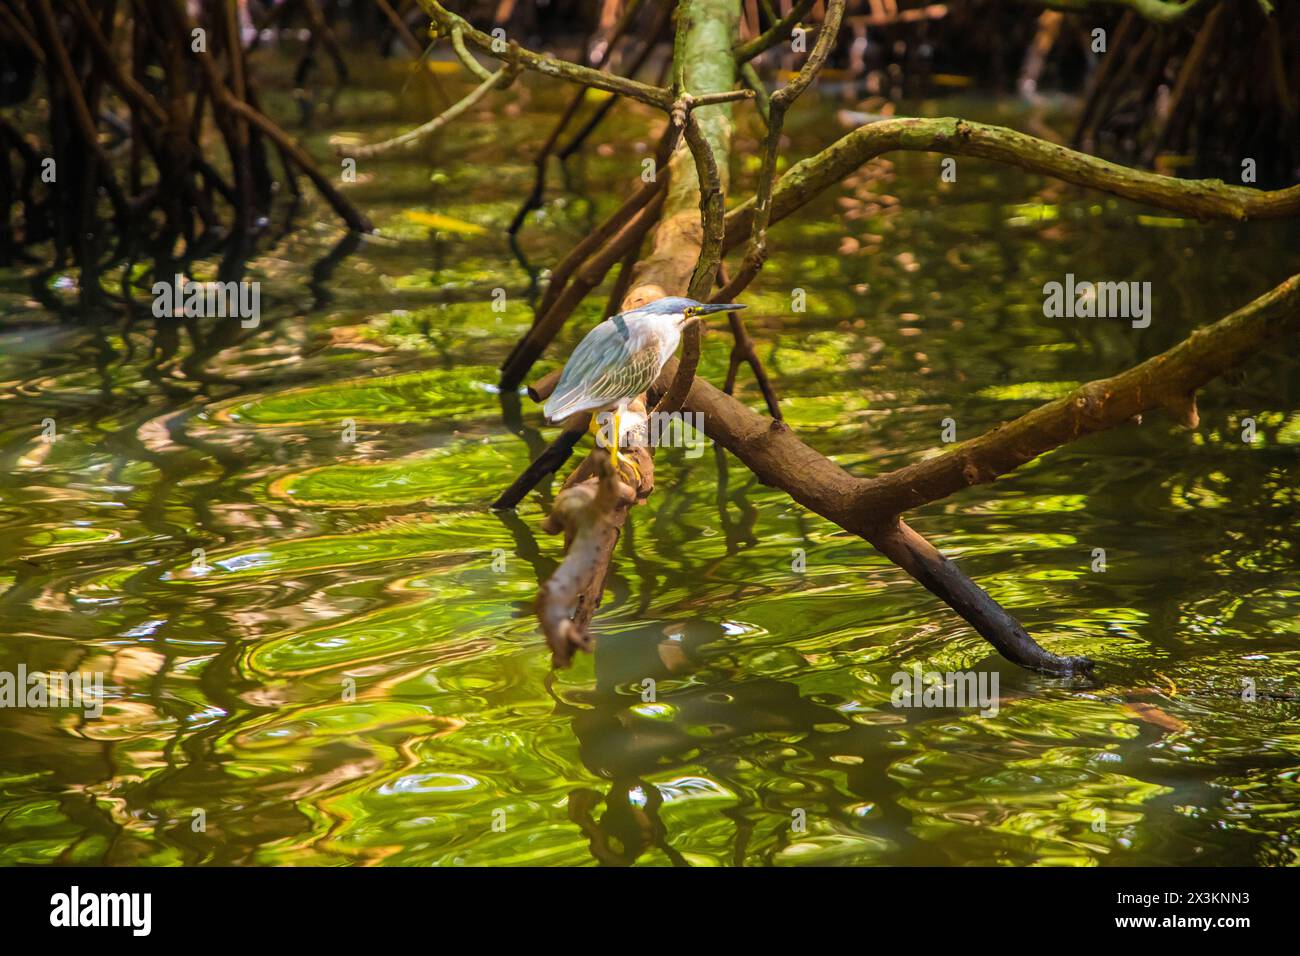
x,y
616,361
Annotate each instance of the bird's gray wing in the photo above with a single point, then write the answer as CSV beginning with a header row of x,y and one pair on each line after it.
x,y
616,361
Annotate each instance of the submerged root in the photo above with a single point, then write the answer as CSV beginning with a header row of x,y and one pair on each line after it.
x,y
590,513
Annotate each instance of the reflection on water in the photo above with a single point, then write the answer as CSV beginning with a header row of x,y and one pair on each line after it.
x,y
328,647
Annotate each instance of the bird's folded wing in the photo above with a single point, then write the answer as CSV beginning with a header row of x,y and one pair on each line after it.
x,y
613,363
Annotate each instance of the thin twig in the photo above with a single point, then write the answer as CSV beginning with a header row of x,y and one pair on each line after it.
x,y
546,64
423,131
775,34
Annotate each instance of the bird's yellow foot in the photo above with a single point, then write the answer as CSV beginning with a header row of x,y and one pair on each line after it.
x,y
617,460
631,464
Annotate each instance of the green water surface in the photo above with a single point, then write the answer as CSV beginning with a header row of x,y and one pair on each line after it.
x,y
352,673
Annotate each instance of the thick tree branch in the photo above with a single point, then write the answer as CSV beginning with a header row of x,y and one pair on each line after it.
x,y
865,505
923,561
1168,381
1200,198
590,515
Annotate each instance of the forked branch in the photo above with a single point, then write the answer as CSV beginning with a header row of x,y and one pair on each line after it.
x,y
685,257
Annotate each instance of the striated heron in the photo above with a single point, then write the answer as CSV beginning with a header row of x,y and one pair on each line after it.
x,y
621,357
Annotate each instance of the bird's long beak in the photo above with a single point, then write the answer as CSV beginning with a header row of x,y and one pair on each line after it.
x,y
708,309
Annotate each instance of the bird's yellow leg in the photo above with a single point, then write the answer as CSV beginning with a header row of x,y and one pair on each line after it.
x,y
597,427
613,445
636,472
613,454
